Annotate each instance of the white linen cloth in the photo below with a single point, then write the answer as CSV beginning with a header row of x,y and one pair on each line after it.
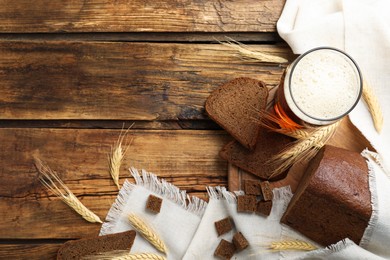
x,y
362,29
187,224
175,224
188,230
260,231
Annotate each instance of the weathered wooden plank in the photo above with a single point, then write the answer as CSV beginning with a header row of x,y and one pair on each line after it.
x,y
139,16
113,124
188,159
31,251
202,37
125,81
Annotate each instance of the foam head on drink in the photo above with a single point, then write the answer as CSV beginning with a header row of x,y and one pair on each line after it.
x,y
322,86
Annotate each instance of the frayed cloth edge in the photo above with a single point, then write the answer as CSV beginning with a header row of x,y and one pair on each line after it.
x,y
116,208
169,191
219,193
368,155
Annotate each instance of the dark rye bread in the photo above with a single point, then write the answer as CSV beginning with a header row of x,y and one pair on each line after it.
x,y
233,106
268,145
252,187
333,200
225,250
223,226
153,204
264,207
77,249
240,241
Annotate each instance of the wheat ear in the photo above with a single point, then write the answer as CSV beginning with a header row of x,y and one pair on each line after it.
x,y
304,148
123,255
116,156
297,134
292,245
271,122
147,232
373,106
53,183
250,55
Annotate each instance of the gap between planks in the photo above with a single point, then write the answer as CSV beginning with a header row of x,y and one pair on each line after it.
x,y
167,37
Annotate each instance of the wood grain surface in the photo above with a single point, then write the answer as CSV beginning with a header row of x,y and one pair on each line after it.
x,y
188,159
139,16
125,81
32,251
74,73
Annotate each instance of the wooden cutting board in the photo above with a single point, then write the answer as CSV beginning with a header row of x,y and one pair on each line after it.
x,y
347,136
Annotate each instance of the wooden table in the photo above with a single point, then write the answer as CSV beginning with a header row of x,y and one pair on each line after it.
x,y
74,73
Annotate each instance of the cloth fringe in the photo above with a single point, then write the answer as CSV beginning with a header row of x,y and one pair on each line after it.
x,y
364,242
328,251
219,193
116,208
160,187
376,158
169,191
339,246
284,193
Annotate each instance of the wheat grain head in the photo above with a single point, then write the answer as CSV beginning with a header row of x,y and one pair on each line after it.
x,y
292,245
147,232
123,255
302,149
373,106
250,55
118,151
52,182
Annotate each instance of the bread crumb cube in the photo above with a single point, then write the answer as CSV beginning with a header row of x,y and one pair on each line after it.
x,y
223,226
252,187
264,207
246,203
266,190
154,204
225,250
240,241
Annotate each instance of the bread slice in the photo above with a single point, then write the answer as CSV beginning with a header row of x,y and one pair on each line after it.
x,y
233,106
76,249
333,199
255,162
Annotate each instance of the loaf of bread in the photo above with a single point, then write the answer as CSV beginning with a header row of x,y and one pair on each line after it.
x,y
235,107
333,200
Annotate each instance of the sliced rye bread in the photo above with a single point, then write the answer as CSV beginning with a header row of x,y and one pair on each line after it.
x,y
233,106
255,162
77,249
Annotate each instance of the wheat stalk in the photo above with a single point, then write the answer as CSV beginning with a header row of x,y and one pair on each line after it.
x,y
269,122
50,179
250,55
373,106
123,255
292,245
304,148
147,232
297,134
116,157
